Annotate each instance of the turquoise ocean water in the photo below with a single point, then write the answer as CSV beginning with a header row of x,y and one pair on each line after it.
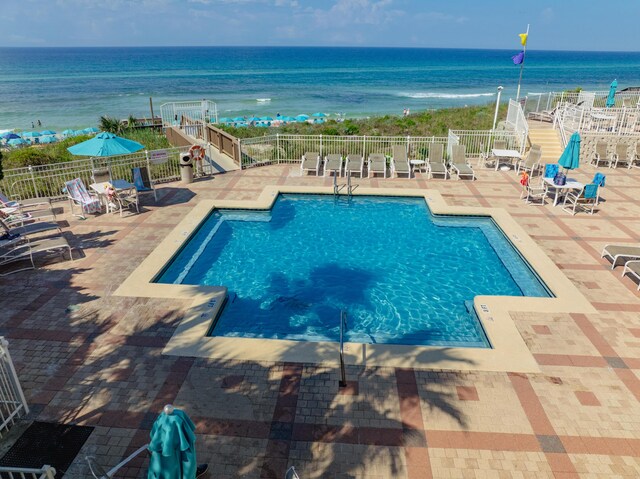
x,y
72,87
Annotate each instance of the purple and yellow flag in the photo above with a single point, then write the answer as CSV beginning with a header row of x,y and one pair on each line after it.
x,y
518,59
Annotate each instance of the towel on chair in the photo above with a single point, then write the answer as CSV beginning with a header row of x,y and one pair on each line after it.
x,y
599,179
590,191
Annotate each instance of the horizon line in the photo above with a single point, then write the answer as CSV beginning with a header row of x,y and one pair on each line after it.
x,y
313,46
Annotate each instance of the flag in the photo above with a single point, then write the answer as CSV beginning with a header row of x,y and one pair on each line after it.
x,y
523,38
518,59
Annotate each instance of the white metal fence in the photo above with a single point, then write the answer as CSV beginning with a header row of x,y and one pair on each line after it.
x,y
617,121
480,142
174,112
537,102
45,472
48,180
13,405
517,122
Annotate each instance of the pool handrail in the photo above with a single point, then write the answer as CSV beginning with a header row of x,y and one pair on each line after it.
x,y
343,326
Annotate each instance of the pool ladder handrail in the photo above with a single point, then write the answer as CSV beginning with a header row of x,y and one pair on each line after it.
x,y
349,187
343,327
336,189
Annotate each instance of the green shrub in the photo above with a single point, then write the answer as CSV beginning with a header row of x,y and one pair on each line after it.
x,y
28,157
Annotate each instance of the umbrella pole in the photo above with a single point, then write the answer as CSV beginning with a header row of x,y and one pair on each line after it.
x,y
524,56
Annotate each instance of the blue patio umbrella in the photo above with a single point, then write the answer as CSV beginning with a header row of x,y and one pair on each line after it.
x,y
266,118
172,446
78,132
611,99
319,114
254,119
239,118
47,132
287,119
224,119
91,129
17,141
570,158
69,132
10,136
48,139
105,144
302,117
30,134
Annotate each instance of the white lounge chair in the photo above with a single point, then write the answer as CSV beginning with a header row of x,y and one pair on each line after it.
x,y
531,162
7,203
459,163
635,162
26,250
377,163
400,162
616,251
436,163
354,164
602,155
310,162
633,268
333,162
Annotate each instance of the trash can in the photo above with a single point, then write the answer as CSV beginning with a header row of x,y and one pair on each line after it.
x,y
186,168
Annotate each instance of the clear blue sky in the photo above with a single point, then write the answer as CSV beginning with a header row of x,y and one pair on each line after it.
x,y
555,24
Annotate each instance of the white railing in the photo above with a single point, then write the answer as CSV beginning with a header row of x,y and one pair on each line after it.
x,y
48,180
174,113
45,472
517,122
290,148
480,142
615,121
13,405
538,102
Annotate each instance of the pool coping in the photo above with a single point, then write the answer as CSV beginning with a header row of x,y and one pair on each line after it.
x,y
509,351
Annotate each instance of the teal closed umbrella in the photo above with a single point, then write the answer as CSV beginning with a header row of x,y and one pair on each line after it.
x,y
105,144
570,158
611,99
173,447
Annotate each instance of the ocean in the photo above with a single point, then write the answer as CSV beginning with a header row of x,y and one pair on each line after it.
x,y
73,87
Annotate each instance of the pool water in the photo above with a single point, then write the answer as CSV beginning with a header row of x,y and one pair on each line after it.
x,y
403,275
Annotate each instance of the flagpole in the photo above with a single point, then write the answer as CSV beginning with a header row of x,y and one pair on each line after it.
x,y
524,56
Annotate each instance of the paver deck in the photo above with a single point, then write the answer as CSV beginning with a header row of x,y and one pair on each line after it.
x,y
87,357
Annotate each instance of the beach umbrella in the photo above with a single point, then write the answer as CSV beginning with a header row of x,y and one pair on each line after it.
x,y
30,134
47,132
302,117
266,118
319,114
78,132
319,120
17,141
611,99
69,132
105,144
173,447
570,158
224,119
10,136
48,139
239,118
254,119
92,129
287,118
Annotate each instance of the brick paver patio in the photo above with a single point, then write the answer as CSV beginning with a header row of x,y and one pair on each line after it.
x,y
87,357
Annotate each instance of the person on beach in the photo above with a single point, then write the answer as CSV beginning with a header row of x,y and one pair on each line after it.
x,y
39,123
407,112
404,112
32,125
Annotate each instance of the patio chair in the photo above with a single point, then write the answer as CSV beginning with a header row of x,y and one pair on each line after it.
x,y
531,162
29,229
602,154
21,216
7,203
633,268
544,115
101,175
621,156
354,164
27,249
400,162
617,251
586,199
635,162
436,164
459,163
377,163
142,181
310,162
531,194
78,195
333,162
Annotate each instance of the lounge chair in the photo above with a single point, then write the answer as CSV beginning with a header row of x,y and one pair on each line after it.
x,y
621,156
78,195
7,203
400,162
310,162
377,163
29,229
354,164
616,251
459,163
142,181
26,250
333,162
21,217
633,268
531,162
544,115
635,162
602,155
586,199
436,162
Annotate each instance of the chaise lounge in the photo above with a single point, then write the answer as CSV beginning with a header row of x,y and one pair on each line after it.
x,y
310,162
633,268
615,252
400,162
459,162
333,162
436,162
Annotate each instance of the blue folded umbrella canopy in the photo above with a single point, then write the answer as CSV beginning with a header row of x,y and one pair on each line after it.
x,y
172,446
319,114
611,99
570,158
17,141
105,144
47,132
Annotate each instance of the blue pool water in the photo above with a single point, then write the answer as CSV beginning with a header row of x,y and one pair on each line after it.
x,y
403,275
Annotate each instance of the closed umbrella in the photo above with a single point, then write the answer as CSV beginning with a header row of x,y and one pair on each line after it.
x,y
570,158
611,99
105,144
173,447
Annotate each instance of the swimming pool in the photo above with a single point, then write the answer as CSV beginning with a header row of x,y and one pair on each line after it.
x,y
403,275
